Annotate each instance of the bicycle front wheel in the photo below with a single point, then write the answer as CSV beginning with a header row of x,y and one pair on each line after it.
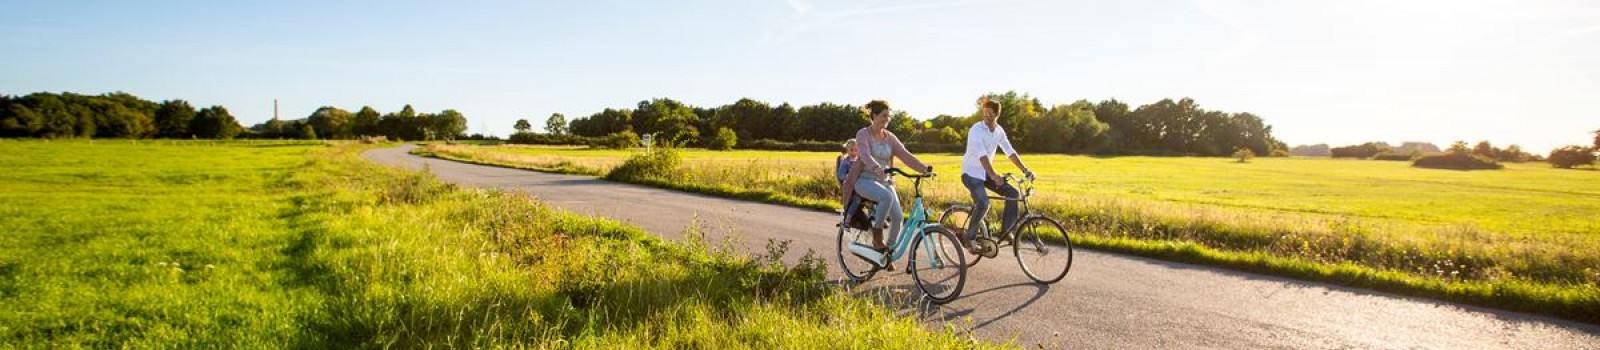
x,y
855,267
1043,249
938,265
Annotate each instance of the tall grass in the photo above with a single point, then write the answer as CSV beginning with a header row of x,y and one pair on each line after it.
x,y
1398,248
232,246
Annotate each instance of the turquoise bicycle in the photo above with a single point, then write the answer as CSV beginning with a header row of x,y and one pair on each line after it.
x,y
937,261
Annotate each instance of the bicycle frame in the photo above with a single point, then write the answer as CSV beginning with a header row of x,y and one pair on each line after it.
x,y
1026,187
915,224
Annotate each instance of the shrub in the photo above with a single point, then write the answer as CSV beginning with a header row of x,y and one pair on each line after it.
x,y
1571,156
1278,153
1396,156
661,164
725,140
1457,161
1243,154
620,140
1365,150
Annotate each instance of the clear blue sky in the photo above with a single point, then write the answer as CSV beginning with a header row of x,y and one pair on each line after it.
x,y
1340,72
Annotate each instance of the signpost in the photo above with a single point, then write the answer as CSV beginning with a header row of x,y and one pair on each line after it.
x,y
647,140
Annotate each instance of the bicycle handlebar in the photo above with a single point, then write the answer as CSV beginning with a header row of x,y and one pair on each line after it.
x,y
897,171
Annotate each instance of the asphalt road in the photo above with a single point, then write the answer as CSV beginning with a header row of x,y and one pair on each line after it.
x,y
1107,301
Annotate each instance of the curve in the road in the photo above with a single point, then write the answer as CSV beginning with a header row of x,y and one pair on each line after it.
x,y
1107,301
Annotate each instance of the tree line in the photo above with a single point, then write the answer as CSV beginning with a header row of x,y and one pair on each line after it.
x,y
335,123
1168,127
123,115
113,115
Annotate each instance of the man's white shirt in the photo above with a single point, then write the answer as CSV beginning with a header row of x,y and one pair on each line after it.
x,y
981,142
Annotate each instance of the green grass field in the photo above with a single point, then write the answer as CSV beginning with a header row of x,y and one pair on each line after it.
x,y
1524,238
117,244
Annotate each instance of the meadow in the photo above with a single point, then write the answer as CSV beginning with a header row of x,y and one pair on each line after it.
x,y
199,244
1522,238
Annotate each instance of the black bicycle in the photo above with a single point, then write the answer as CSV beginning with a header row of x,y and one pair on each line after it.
x,y
1042,246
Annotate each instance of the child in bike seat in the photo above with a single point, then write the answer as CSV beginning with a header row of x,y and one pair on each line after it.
x,y
857,217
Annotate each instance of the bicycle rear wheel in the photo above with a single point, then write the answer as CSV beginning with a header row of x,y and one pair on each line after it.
x,y
1043,249
937,264
956,219
855,268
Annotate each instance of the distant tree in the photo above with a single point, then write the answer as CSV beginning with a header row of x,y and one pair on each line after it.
x,y
1365,150
556,125
671,121
523,125
1460,147
1416,147
308,131
901,123
1485,149
828,122
1597,139
1513,153
447,125
365,122
172,119
725,139
748,118
1571,156
214,123
334,123
1317,150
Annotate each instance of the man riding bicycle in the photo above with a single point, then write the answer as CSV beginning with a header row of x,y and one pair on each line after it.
x,y
977,172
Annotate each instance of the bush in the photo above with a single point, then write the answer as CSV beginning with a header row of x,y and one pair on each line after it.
x,y
528,138
1396,156
1571,156
619,140
1457,161
661,164
775,145
1244,154
725,140
1278,153
1365,150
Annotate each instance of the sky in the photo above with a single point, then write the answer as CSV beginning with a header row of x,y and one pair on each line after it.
x,y
1338,72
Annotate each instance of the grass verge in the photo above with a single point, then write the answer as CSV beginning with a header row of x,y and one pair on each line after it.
x,y
238,246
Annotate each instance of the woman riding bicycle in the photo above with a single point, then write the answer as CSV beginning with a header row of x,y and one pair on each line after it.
x,y
977,172
877,148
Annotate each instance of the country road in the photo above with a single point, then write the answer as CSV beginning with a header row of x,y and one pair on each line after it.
x,y
1107,301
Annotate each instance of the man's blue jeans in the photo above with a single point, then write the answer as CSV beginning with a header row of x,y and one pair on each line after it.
x,y
980,203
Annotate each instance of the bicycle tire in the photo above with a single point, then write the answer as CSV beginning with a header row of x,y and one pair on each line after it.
x,y
946,220
855,273
938,289
1036,241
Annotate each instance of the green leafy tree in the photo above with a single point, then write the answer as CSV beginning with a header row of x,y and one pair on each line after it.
x,y
556,124
1597,139
308,131
671,121
365,122
214,123
1483,148
172,119
725,139
523,126
901,123
334,123
748,118
828,122
447,125
1571,156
